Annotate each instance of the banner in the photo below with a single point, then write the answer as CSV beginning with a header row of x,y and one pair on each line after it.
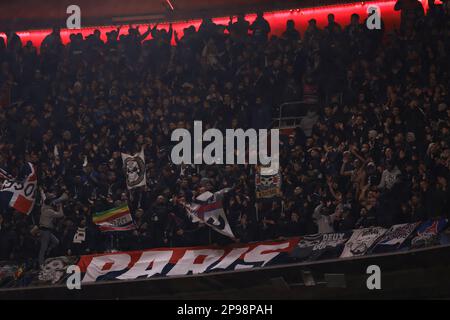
x,y
361,241
166,262
54,271
115,219
267,186
134,166
21,196
320,246
9,273
183,261
394,238
427,234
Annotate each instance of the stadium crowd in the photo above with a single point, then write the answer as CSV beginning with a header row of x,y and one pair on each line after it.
x,y
374,153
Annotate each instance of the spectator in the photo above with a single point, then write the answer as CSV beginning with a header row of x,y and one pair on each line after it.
x,y
332,29
260,28
240,28
323,218
389,176
412,13
291,33
47,227
373,149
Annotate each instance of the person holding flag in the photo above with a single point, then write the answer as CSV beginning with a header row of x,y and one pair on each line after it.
x,y
207,208
47,226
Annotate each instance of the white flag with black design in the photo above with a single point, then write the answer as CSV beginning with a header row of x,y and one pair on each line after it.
x,y
134,166
267,185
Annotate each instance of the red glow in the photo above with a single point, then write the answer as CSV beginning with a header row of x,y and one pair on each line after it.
x,y
276,19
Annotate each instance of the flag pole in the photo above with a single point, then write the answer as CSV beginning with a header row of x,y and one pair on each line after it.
x,y
32,218
112,242
256,195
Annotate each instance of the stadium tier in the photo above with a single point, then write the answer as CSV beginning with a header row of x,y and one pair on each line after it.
x,y
136,147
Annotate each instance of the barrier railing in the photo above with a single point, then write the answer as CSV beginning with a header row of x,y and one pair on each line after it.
x,y
290,114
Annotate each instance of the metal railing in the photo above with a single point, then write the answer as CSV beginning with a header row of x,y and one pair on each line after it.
x,y
290,117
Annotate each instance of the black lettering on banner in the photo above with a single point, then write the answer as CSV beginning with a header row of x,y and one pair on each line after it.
x,y
29,190
7,184
18,186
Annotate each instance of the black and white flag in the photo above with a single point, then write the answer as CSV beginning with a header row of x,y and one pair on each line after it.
x,y
320,246
268,185
134,166
361,241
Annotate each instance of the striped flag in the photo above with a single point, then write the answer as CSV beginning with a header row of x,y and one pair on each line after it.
x,y
115,219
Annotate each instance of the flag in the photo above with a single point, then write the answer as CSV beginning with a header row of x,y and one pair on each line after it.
x,y
21,196
115,219
320,246
211,214
361,241
427,234
267,186
5,175
134,166
394,238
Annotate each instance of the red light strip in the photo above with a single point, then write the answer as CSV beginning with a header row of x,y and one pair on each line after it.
x,y
277,20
